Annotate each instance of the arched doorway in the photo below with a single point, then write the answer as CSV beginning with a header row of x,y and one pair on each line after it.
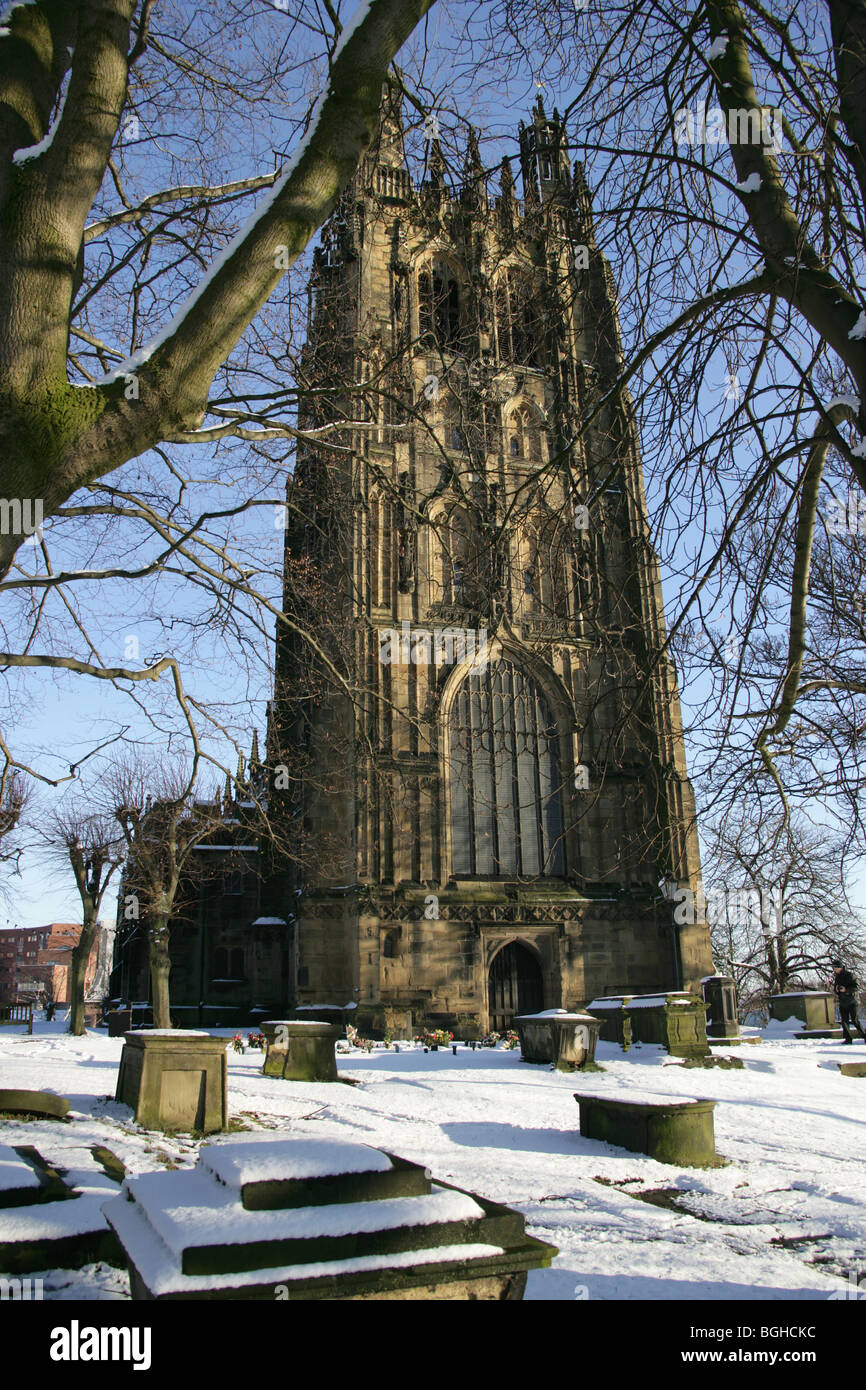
x,y
514,986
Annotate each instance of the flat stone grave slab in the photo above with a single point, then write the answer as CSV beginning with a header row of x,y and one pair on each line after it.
x,y
192,1235
19,1185
51,1217
670,1129
175,1080
852,1068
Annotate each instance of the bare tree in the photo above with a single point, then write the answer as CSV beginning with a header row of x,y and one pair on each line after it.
x,y
131,278
92,845
162,823
778,908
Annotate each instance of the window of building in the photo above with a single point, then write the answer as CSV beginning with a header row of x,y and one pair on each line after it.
x,y
228,963
519,325
390,944
233,883
550,567
439,310
506,812
524,434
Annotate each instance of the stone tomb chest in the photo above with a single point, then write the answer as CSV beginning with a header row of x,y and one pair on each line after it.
x,y
174,1080
677,1020
815,1008
566,1039
298,1218
671,1129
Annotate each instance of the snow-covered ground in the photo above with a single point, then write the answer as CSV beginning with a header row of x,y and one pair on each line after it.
x,y
786,1219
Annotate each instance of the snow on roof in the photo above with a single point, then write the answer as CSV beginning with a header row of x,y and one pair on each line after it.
x,y
190,1209
150,1259
269,922
273,1160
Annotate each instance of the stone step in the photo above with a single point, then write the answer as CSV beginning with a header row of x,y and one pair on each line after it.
x,y
368,1174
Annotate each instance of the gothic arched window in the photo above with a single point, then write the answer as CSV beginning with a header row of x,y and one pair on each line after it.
x,y
506,812
455,569
550,562
524,435
519,324
439,303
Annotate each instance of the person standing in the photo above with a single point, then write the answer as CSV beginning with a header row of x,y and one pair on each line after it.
x,y
845,989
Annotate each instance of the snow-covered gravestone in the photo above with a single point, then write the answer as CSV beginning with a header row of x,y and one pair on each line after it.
x,y
299,1218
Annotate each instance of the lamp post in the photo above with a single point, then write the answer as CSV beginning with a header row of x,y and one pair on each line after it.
x,y
669,888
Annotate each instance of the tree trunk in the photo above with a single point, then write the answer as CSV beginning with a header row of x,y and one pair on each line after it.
x,y
160,967
77,972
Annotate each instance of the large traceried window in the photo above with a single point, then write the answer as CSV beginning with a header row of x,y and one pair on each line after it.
x,y
439,303
519,324
506,810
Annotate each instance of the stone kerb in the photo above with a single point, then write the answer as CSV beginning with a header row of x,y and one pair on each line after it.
x,y
300,1049
555,1035
671,1130
175,1080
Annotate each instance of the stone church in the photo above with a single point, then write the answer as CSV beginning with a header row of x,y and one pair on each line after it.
x,y
481,731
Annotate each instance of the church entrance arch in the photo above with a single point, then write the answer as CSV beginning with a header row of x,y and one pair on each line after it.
x,y
514,985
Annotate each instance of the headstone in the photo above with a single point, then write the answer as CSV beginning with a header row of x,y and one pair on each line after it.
x,y
40,1226
298,1218
566,1039
175,1080
300,1050
670,1129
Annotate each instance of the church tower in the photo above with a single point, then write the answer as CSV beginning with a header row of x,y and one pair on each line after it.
x,y
482,734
